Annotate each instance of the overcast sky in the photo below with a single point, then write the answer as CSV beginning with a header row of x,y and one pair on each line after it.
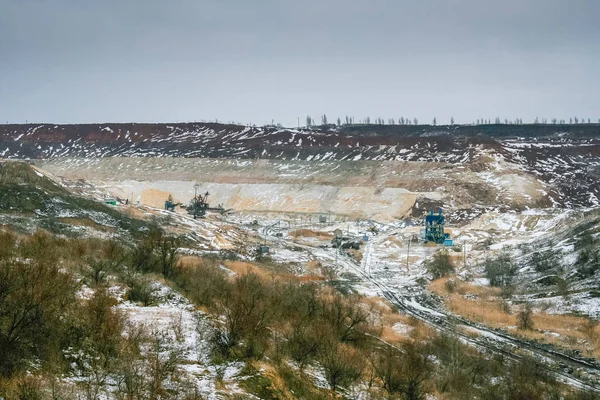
x,y
75,61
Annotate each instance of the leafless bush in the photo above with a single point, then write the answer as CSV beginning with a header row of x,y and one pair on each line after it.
x,y
203,282
96,270
440,265
162,361
247,311
450,285
524,320
141,289
35,296
342,364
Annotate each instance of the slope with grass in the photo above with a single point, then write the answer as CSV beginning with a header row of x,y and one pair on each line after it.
x,y
29,200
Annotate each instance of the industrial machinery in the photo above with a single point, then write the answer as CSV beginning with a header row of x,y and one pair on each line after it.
x,y
170,204
434,228
198,206
346,242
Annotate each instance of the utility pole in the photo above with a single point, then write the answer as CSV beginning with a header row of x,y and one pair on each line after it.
x,y
408,253
465,254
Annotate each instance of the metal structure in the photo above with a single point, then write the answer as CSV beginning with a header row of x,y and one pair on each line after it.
x,y
434,228
198,206
346,242
263,249
170,204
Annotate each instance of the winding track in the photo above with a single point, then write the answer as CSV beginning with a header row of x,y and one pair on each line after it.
x,y
488,339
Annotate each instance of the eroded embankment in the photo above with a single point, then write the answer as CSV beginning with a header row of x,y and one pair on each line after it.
x,y
363,189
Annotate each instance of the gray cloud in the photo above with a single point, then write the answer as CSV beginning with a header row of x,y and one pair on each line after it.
x,y
257,60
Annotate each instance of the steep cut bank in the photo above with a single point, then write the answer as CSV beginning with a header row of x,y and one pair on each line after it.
x,y
358,189
360,170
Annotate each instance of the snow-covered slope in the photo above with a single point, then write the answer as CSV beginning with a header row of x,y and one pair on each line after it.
x,y
562,163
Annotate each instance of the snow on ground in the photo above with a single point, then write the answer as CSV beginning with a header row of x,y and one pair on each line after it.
x,y
402,329
186,330
385,255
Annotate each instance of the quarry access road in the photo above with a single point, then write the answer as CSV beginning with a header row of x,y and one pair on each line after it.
x,y
487,339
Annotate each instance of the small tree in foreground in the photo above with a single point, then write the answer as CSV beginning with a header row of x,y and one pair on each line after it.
x,y
342,364
404,371
500,270
440,265
524,320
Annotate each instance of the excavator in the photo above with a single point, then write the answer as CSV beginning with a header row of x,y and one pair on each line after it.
x,y
170,204
198,206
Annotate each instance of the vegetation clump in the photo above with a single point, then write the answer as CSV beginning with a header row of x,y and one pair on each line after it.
x,y
49,330
524,318
440,265
500,270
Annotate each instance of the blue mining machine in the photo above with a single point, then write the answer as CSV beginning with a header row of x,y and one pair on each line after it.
x,y
170,204
434,228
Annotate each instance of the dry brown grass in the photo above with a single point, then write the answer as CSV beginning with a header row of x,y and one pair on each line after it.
x,y
277,382
439,287
313,266
482,311
133,212
467,330
388,317
311,233
189,261
483,305
355,254
242,268
381,309
390,335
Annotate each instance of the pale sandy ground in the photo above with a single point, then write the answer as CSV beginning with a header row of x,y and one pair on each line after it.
x,y
360,189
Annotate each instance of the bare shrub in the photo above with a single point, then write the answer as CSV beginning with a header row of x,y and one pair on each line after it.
x,y
440,265
162,363
305,341
347,319
451,285
524,320
30,388
342,364
247,311
141,290
8,246
157,252
203,282
35,296
96,270
500,270
562,287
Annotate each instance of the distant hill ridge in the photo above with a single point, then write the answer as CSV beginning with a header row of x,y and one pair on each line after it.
x,y
348,142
